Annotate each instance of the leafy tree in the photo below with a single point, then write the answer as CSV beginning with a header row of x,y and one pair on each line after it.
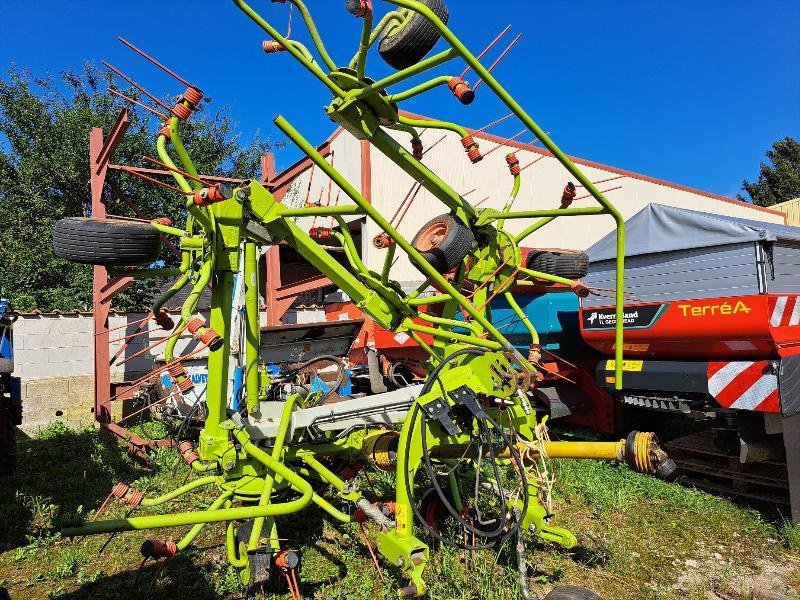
x,y
44,176
779,181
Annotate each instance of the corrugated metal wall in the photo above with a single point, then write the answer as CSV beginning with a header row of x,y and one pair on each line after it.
x,y
786,261
791,208
686,275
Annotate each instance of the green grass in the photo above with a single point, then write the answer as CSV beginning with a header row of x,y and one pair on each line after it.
x,y
642,539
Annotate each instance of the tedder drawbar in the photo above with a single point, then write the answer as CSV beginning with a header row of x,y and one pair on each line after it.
x,y
465,446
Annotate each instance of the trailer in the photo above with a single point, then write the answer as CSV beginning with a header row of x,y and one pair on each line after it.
x,y
712,331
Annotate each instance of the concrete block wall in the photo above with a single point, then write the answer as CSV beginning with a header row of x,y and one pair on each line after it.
x,y
54,357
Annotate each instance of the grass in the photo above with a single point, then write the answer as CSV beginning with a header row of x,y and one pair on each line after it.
x,y
643,539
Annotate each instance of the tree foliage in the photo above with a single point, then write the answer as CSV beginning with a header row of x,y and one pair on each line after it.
x,y
778,181
44,176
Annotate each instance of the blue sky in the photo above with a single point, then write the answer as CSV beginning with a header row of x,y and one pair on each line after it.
x,y
693,92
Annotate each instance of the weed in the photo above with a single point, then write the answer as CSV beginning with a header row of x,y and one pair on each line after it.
x,y
67,563
790,532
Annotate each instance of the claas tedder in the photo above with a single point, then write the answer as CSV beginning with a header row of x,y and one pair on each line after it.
x,y
465,445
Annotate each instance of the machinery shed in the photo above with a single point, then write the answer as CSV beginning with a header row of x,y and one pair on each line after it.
x,y
673,253
487,185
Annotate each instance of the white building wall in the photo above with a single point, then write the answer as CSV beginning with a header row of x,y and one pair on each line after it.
x,y
542,184
346,158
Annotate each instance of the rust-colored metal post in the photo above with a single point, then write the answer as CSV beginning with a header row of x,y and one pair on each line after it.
x,y
100,152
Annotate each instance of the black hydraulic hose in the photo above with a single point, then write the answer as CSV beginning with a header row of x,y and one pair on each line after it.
x,y
334,359
432,378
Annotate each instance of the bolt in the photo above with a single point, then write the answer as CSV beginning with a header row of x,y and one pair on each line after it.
x,y
243,194
400,562
229,465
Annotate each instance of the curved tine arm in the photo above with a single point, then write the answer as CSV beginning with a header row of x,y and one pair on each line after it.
x,y
314,33
290,48
501,93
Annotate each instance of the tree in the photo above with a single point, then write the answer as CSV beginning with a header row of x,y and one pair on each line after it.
x,y
779,181
44,176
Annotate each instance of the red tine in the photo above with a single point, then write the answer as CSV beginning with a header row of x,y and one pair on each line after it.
x,y
499,58
152,180
178,171
119,73
433,145
143,54
504,142
137,103
604,180
489,47
493,123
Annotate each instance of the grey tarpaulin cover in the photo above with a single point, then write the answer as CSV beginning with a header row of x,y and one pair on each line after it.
x,y
659,228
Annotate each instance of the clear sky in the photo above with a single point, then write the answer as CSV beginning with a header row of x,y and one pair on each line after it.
x,y
693,92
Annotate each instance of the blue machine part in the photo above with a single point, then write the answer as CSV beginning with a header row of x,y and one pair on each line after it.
x,y
7,319
238,387
345,389
554,315
6,349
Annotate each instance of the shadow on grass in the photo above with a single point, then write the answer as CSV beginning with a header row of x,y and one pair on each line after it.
x,y
58,470
180,577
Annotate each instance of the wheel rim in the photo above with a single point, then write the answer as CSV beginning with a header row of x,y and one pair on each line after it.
x,y
432,236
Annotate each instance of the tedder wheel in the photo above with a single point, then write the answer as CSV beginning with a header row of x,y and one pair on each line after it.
x,y
572,592
444,242
402,48
112,242
569,264
260,563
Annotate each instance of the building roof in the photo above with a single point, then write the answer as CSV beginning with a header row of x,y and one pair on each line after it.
x,y
658,228
575,159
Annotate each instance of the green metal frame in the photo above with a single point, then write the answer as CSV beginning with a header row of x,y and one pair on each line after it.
x,y
214,237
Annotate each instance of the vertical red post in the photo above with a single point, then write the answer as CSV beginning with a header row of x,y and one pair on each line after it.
x,y
100,152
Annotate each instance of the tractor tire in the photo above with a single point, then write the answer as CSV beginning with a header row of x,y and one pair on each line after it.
x,y
444,242
569,264
111,242
571,592
406,47
260,563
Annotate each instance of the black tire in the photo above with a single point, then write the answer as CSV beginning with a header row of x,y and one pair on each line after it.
x,y
112,242
410,45
572,592
446,249
260,563
569,264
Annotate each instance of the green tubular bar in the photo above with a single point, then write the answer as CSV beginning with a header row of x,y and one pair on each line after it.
x,y
408,73
512,302
290,48
269,480
431,124
252,328
322,211
192,485
419,89
314,33
412,252
184,542
361,57
373,36
515,108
